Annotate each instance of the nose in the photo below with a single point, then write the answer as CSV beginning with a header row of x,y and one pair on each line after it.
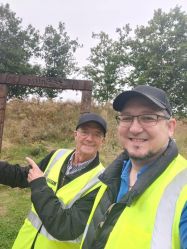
x,y
135,126
90,136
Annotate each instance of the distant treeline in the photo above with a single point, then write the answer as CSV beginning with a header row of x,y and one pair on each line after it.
x,y
155,54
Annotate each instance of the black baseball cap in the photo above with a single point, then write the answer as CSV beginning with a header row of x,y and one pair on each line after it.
x,y
92,117
155,95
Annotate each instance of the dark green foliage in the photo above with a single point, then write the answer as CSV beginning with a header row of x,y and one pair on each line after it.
x,y
17,47
106,64
57,51
159,56
155,55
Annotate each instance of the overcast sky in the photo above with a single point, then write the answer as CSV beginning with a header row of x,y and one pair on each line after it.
x,y
82,17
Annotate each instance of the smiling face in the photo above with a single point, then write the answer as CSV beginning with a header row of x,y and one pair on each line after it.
x,y
89,138
143,142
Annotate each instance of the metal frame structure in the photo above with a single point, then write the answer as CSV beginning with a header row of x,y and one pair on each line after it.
x,y
7,79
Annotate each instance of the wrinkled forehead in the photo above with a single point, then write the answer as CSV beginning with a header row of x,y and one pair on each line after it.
x,y
91,125
140,102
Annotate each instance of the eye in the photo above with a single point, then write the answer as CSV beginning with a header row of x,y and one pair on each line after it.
x,y
84,132
148,118
98,134
126,118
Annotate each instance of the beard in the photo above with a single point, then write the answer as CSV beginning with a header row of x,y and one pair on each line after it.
x,y
145,157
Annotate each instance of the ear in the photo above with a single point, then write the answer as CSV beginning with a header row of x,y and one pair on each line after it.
x,y
75,134
172,126
103,140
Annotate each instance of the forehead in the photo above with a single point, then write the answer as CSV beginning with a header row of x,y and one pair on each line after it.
x,y
91,125
140,103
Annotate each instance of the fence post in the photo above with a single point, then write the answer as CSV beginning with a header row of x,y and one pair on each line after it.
x,y
3,96
86,101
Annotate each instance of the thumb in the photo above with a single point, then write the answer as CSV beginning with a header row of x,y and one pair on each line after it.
x,y
31,162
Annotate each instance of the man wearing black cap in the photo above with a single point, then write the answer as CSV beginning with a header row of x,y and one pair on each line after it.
x,y
142,203
63,189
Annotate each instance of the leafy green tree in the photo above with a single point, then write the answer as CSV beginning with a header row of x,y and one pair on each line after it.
x,y
158,56
17,47
107,64
58,54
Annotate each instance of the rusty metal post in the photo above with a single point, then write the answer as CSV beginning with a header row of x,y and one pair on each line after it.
x,y
3,96
86,101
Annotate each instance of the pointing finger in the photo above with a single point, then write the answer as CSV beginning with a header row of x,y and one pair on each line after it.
x,y
31,162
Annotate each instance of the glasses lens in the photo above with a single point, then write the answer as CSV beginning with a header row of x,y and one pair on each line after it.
x,y
124,119
144,119
148,119
86,133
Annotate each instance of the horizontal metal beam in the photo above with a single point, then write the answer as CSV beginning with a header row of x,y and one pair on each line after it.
x,y
45,82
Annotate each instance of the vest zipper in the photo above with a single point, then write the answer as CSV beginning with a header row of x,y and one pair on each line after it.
x,y
63,179
34,241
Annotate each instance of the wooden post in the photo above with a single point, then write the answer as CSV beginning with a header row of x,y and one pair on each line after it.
x,y
86,101
3,96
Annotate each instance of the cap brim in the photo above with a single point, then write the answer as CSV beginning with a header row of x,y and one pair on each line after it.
x,y
93,121
121,99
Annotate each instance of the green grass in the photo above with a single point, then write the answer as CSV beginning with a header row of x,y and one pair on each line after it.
x,y
16,154
14,206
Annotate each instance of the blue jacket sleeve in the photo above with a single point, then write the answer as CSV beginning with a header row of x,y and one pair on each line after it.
x,y
183,228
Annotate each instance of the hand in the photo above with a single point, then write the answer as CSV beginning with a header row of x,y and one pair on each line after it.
x,y
34,171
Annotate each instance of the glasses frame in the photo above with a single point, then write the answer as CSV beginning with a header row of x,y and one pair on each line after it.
x,y
129,123
86,133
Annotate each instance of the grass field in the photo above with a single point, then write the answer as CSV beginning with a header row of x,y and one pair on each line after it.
x,y
34,129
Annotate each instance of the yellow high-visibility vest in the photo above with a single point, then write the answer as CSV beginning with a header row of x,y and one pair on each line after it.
x,y
152,221
67,194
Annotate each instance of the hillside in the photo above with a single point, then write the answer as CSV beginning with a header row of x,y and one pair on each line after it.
x,y
34,128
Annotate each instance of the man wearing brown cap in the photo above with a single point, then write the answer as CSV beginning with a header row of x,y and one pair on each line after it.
x,y
63,188
142,203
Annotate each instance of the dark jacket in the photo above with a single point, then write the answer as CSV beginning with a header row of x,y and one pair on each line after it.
x,y
108,211
46,204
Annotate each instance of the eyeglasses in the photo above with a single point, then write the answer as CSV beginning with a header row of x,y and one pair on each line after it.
x,y
143,119
86,133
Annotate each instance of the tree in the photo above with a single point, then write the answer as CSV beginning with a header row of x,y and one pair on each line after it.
x,y
106,65
17,47
58,54
159,56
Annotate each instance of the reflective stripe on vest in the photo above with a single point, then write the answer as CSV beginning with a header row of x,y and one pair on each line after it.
x,y
89,186
99,195
162,233
55,159
153,219
67,195
35,220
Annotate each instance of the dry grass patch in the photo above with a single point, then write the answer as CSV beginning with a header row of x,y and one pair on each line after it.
x,y
181,136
